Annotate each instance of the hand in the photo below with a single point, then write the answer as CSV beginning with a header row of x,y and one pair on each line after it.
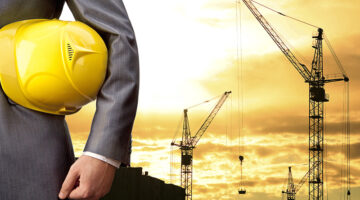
x,y
88,178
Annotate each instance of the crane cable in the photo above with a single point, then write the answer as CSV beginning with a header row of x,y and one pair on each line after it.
x,y
340,66
239,78
347,130
301,21
346,118
172,163
207,101
343,150
345,146
280,13
177,130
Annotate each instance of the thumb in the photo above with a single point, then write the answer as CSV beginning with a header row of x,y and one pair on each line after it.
x,y
79,193
69,183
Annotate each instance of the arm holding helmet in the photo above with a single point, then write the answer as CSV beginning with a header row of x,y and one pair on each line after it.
x,y
116,105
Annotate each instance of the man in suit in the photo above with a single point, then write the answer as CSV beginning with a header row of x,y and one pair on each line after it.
x,y
36,154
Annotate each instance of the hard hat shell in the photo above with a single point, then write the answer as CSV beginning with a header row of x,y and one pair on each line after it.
x,y
51,66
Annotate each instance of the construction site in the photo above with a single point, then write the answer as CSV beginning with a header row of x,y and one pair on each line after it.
x,y
258,101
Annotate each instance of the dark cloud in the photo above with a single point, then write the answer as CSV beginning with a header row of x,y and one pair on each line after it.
x,y
340,148
262,195
289,123
355,151
273,180
279,153
228,190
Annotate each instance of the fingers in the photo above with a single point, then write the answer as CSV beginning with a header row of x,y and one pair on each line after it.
x,y
88,179
79,193
84,192
69,183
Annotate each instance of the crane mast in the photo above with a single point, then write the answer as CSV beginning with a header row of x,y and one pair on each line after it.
x,y
292,189
317,96
189,142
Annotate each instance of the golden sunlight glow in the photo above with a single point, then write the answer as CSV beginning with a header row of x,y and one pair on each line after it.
x,y
188,54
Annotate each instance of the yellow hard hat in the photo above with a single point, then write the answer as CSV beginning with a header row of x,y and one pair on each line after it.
x,y
51,66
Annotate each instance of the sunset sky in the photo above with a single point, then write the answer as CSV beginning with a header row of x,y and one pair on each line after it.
x,y
188,54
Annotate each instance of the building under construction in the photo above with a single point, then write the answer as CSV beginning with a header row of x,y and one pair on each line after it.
x,y
132,184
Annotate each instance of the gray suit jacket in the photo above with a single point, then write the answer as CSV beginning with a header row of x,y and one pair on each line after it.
x,y
35,148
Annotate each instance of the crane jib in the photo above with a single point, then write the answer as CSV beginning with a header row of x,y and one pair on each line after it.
x,y
209,119
301,68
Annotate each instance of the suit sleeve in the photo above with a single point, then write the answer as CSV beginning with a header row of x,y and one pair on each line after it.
x,y
116,104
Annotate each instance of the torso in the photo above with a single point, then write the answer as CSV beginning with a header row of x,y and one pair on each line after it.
x,y
35,148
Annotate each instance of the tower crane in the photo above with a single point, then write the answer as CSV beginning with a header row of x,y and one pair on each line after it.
x,y
317,97
189,142
292,189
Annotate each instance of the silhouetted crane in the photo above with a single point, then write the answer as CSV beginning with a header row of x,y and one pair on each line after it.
x,y
292,189
317,96
189,142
